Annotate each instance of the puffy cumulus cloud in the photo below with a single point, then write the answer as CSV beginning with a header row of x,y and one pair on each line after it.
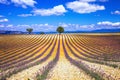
x,y
9,27
116,12
84,6
36,27
24,3
57,10
77,27
25,15
109,24
90,27
4,20
44,27
67,26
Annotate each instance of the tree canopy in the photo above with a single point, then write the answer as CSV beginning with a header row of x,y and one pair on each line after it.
x,y
60,29
29,30
42,33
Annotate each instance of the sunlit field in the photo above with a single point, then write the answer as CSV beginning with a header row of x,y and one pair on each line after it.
x,y
60,57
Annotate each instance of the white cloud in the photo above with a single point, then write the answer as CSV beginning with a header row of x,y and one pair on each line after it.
x,y
93,0
116,12
37,27
4,2
57,10
3,20
9,26
67,26
25,15
87,0
87,26
90,27
103,0
1,25
24,3
110,24
64,25
77,27
84,7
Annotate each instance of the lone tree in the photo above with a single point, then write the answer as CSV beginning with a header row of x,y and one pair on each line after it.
x,y
60,29
29,30
42,33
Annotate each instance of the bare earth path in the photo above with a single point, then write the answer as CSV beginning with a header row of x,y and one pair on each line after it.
x,y
64,70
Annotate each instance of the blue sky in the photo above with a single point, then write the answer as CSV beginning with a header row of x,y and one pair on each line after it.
x,y
47,15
